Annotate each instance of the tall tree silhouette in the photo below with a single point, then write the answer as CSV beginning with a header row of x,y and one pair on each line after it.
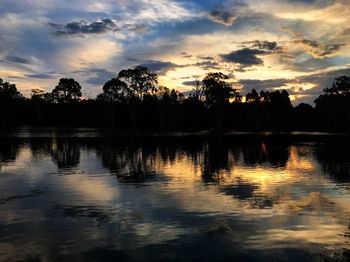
x,y
217,90
131,85
169,95
133,96
66,91
253,97
217,94
139,81
341,86
114,90
198,91
9,91
8,95
333,108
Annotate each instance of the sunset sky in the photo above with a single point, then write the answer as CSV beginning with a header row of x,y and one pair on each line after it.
x,y
298,45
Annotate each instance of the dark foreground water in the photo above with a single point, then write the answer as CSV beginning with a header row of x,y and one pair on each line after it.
x,y
193,198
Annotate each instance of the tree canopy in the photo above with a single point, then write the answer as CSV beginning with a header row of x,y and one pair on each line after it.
x,y
133,98
9,91
66,91
340,86
139,81
217,90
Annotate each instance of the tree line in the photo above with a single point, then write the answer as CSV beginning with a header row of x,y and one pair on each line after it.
x,y
134,100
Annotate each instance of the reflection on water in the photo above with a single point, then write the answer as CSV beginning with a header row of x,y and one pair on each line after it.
x,y
92,199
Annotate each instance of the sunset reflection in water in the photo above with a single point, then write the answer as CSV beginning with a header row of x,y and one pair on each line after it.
x,y
64,198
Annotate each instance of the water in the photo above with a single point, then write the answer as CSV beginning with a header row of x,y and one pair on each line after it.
x,y
92,197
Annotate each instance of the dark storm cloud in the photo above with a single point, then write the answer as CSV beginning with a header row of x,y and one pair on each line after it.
x,y
185,54
227,12
83,27
249,55
100,26
17,59
246,57
223,17
318,49
205,57
190,83
265,45
208,65
42,75
96,76
160,67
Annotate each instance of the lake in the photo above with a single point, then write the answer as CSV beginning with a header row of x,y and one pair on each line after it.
x,y
91,196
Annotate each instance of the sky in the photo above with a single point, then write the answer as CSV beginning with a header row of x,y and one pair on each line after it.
x,y
297,45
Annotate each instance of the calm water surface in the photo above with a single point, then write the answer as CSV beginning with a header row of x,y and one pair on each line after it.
x,y
97,198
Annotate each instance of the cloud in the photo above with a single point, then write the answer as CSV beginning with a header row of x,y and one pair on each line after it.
x,y
205,57
246,57
257,40
83,27
208,65
223,17
317,49
160,67
86,53
265,45
190,83
185,54
18,59
251,55
227,12
50,75
97,76
140,28
162,10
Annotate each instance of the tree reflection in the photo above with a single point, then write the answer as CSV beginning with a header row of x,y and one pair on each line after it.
x,y
65,152
215,160
8,150
334,160
40,147
273,152
213,157
128,162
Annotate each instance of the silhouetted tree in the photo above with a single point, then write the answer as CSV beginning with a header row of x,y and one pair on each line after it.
x,y
114,90
264,97
217,90
197,91
253,97
133,96
37,94
9,99
341,86
9,91
332,107
66,91
131,85
169,96
304,117
139,81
